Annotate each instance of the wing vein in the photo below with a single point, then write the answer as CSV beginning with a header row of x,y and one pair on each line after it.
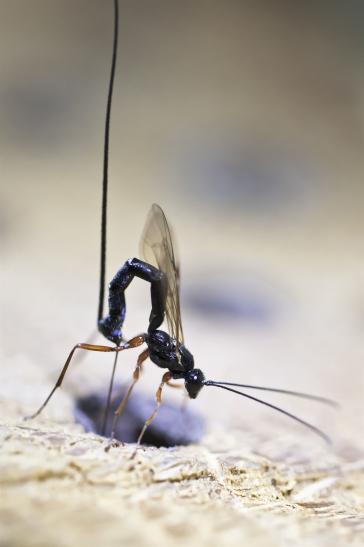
x,y
157,247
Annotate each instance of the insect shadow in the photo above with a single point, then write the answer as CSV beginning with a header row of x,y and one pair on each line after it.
x,y
167,350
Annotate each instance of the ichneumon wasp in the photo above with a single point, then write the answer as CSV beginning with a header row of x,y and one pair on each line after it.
x,y
160,269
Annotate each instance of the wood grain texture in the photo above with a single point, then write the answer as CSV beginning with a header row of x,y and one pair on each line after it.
x,y
59,487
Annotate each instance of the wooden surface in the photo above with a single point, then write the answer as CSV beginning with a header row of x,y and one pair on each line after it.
x,y
59,487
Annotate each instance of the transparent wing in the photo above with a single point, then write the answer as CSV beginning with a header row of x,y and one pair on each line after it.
x,y
156,247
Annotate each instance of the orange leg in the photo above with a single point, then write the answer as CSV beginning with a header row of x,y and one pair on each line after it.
x,y
134,342
175,386
109,393
185,399
166,377
136,375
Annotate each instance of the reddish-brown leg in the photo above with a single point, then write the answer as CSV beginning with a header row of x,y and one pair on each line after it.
x,y
136,375
185,398
134,342
165,378
109,394
175,386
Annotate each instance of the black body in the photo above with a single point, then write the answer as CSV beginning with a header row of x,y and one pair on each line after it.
x,y
111,325
164,350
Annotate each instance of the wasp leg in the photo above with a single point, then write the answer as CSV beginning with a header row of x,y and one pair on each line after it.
x,y
111,325
185,399
109,393
136,375
175,386
165,378
134,342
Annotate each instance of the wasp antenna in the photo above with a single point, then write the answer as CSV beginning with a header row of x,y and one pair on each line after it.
x,y
106,164
309,396
313,428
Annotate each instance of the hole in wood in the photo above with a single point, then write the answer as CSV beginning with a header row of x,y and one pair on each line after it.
x,y
172,426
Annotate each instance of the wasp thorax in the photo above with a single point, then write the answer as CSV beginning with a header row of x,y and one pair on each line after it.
x,y
165,353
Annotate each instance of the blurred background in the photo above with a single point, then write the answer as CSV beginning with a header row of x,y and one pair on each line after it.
x,y
244,121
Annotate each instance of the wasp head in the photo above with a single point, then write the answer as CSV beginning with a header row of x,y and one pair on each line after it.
x,y
194,381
